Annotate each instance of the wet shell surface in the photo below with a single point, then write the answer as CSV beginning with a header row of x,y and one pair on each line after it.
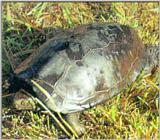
x,y
84,66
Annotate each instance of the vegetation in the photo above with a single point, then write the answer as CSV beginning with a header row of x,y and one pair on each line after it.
x,y
133,114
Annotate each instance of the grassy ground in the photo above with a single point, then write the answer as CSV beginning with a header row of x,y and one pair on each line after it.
x,y
133,114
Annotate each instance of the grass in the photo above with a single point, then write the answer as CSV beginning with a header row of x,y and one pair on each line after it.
x,y
133,114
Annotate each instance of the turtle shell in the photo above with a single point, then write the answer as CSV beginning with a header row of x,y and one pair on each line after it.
x,y
84,66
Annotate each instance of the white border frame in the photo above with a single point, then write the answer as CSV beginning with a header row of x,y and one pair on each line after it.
x,y
1,1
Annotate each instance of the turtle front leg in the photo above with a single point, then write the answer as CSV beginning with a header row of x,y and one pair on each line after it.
x,y
22,101
73,120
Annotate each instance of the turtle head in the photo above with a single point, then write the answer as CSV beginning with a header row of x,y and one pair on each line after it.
x,y
16,83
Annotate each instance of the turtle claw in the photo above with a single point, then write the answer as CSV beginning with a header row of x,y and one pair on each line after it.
x,y
80,129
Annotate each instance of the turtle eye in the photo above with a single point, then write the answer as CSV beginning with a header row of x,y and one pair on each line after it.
x,y
14,84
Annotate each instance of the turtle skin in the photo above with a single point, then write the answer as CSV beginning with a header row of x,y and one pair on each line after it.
x,y
84,66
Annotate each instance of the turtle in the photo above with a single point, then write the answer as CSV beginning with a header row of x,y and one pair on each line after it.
x,y
82,67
